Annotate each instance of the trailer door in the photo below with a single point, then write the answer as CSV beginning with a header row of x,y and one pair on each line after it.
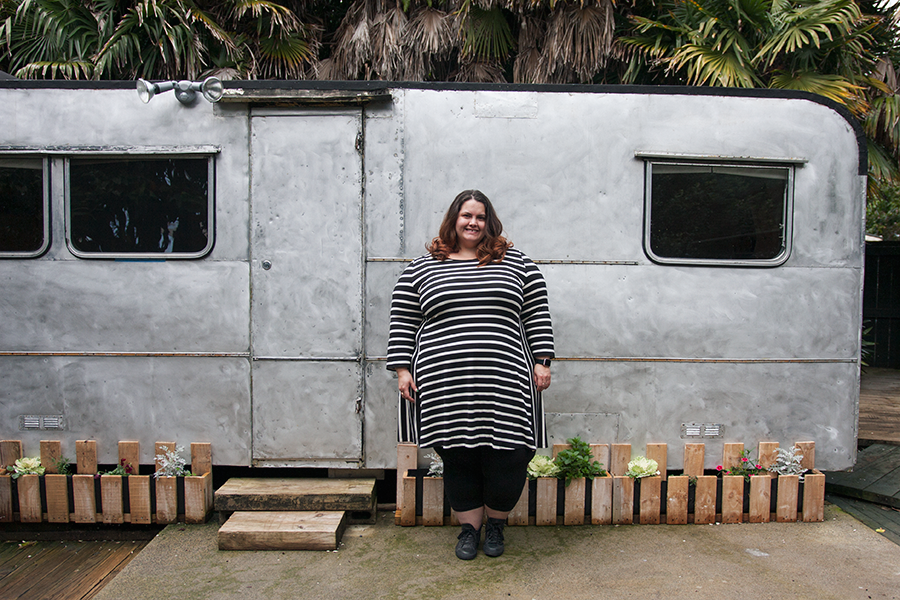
x,y
306,273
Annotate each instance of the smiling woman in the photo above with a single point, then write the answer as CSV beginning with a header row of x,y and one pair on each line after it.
x,y
471,342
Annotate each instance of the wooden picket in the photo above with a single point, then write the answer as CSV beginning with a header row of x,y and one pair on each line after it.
x,y
612,498
84,493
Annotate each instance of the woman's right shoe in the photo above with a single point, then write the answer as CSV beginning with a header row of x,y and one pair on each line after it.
x,y
467,546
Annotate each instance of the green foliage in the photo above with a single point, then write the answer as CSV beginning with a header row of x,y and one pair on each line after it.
x,y
123,468
577,462
744,468
62,465
883,214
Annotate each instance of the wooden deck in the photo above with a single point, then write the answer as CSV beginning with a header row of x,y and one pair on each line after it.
x,y
879,406
61,569
871,490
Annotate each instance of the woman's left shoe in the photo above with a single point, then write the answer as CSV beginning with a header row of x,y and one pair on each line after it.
x,y
493,537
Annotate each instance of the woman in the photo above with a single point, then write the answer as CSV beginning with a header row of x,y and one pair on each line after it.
x,y
471,342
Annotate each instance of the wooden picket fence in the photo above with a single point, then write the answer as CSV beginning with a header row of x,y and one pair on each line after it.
x,y
79,499
716,499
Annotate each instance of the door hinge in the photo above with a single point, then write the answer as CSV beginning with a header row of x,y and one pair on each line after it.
x,y
358,405
359,142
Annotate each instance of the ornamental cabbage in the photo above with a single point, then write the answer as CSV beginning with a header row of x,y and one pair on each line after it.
x,y
542,466
642,467
27,466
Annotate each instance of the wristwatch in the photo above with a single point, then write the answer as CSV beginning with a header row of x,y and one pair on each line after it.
x,y
543,361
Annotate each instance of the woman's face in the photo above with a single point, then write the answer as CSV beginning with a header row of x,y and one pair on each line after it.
x,y
470,224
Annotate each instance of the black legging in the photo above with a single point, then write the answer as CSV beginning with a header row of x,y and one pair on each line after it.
x,y
476,477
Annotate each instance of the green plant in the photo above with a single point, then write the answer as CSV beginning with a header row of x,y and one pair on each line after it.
x,y
62,465
171,464
124,469
788,462
642,467
26,466
745,467
542,466
577,462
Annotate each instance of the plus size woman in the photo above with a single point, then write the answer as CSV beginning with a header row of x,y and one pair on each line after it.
x,y
471,342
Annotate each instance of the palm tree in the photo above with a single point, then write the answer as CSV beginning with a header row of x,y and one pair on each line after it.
x,y
827,47
111,39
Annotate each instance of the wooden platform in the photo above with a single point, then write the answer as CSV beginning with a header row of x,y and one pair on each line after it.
x,y
286,530
879,406
357,496
65,570
875,478
883,519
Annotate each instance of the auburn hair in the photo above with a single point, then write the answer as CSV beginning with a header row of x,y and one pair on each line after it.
x,y
493,245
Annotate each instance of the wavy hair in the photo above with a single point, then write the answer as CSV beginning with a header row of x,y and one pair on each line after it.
x,y
493,245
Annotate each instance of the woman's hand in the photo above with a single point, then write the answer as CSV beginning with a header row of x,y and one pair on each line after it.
x,y
407,385
541,377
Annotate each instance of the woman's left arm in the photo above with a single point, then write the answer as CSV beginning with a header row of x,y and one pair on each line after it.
x,y
536,322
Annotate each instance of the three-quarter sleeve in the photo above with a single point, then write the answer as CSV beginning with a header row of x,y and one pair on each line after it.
x,y
406,318
536,312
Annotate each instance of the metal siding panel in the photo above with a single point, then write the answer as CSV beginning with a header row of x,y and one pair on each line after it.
x,y
106,306
147,399
305,412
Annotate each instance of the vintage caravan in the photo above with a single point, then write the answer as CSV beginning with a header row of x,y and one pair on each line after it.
x,y
221,272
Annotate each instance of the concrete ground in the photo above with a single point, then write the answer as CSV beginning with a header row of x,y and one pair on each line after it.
x,y
838,559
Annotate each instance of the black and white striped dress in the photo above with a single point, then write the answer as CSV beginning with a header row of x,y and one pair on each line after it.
x,y
469,335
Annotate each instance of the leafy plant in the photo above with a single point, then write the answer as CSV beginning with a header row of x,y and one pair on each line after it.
x,y
124,469
26,466
642,467
436,469
542,466
171,464
745,467
788,462
62,465
577,462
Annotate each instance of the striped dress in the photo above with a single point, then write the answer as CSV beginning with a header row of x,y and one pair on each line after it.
x,y
469,335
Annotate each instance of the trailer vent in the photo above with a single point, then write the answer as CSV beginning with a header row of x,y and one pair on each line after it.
x,y
41,422
701,430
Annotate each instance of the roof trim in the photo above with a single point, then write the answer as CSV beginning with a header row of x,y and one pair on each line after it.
x,y
274,87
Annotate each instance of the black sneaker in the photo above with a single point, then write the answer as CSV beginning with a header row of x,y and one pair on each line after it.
x,y
467,547
493,537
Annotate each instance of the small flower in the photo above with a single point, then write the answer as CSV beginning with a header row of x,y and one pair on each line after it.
x,y
718,467
745,459
759,466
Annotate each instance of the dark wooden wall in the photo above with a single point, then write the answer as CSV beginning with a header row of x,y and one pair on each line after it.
x,y
881,304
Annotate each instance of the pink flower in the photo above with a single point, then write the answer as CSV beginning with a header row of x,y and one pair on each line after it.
x,y
718,467
758,467
745,460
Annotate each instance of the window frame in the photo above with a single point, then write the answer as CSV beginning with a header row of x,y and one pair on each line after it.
x,y
209,155
788,164
47,229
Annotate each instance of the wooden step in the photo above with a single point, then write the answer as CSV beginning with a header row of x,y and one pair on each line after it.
x,y
356,496
283,530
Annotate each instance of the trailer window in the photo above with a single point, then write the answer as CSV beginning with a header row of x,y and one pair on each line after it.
x,y
24,218
713,213
150,207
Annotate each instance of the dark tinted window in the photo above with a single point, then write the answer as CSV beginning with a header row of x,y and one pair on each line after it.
x,y
718,213
22,206
140,206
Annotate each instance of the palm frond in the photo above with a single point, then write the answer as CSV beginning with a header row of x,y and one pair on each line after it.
x,y
707,66
486,36
834,87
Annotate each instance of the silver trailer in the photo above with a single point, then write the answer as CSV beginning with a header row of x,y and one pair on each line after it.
x,y
222,272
